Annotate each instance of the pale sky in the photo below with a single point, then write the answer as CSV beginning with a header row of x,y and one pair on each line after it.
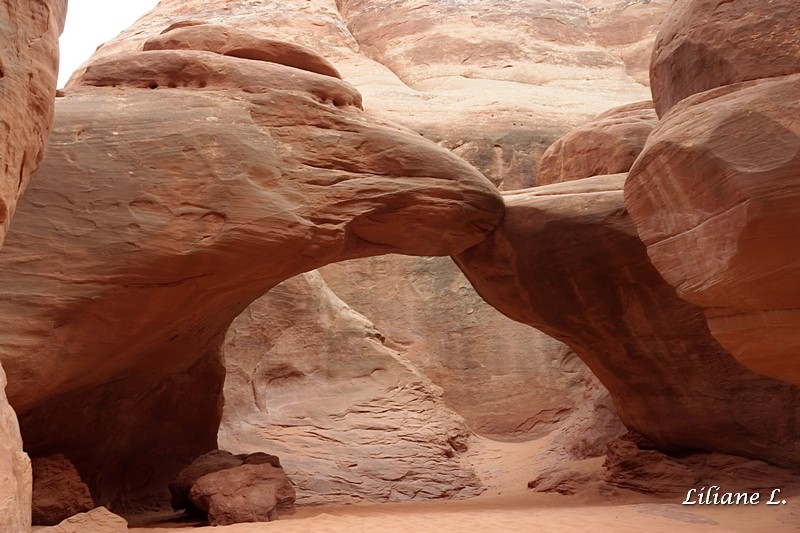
x,y
90,23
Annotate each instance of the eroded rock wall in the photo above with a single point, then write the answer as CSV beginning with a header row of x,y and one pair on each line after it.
x,y
509,381
567,259
311,380
29,34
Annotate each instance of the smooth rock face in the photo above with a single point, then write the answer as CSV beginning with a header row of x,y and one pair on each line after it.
x,y
510,382
310,379
609,144
28,72
703,44
98,520
15,470
567,260
233,42
58,491
246,493
168,211
715,198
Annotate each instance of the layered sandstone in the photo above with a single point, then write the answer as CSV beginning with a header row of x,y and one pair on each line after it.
x,y
704,44
311,380
509,381
28,72
176,207
714,196
567,260
496,82
608,144
555,67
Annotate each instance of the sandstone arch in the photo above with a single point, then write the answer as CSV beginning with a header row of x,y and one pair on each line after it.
x,y
159,214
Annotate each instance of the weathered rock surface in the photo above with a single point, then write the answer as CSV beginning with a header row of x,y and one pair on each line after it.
x,y
98,520
498,116
210,462
58,491
567,260
177,208
704,44
28,71
310,379
496,82
633,464
715,197
246,493
237,43
509,381
15,470
609,144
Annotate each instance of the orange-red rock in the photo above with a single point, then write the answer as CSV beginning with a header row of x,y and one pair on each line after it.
x,y
215,461
633,464
28,71
168,211
212,461
58,491
703,44
608,144
312,380
496,82
230,41
715,197
567,260
245,493
509,381
15,469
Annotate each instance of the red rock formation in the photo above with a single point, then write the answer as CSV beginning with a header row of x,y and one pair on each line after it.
x,y
703,44
310,379
509,381
574,60
633,464
28,72
58,491
246,493
496,82
237,43
609,144
714,196
176,208
212,461
212,499
15,470
567,260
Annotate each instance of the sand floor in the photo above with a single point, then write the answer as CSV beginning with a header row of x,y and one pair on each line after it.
x,y
509,506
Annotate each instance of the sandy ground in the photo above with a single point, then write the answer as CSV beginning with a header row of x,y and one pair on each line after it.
x,y
509,506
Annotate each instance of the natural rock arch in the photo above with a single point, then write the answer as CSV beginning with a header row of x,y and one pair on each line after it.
x,y
159,215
